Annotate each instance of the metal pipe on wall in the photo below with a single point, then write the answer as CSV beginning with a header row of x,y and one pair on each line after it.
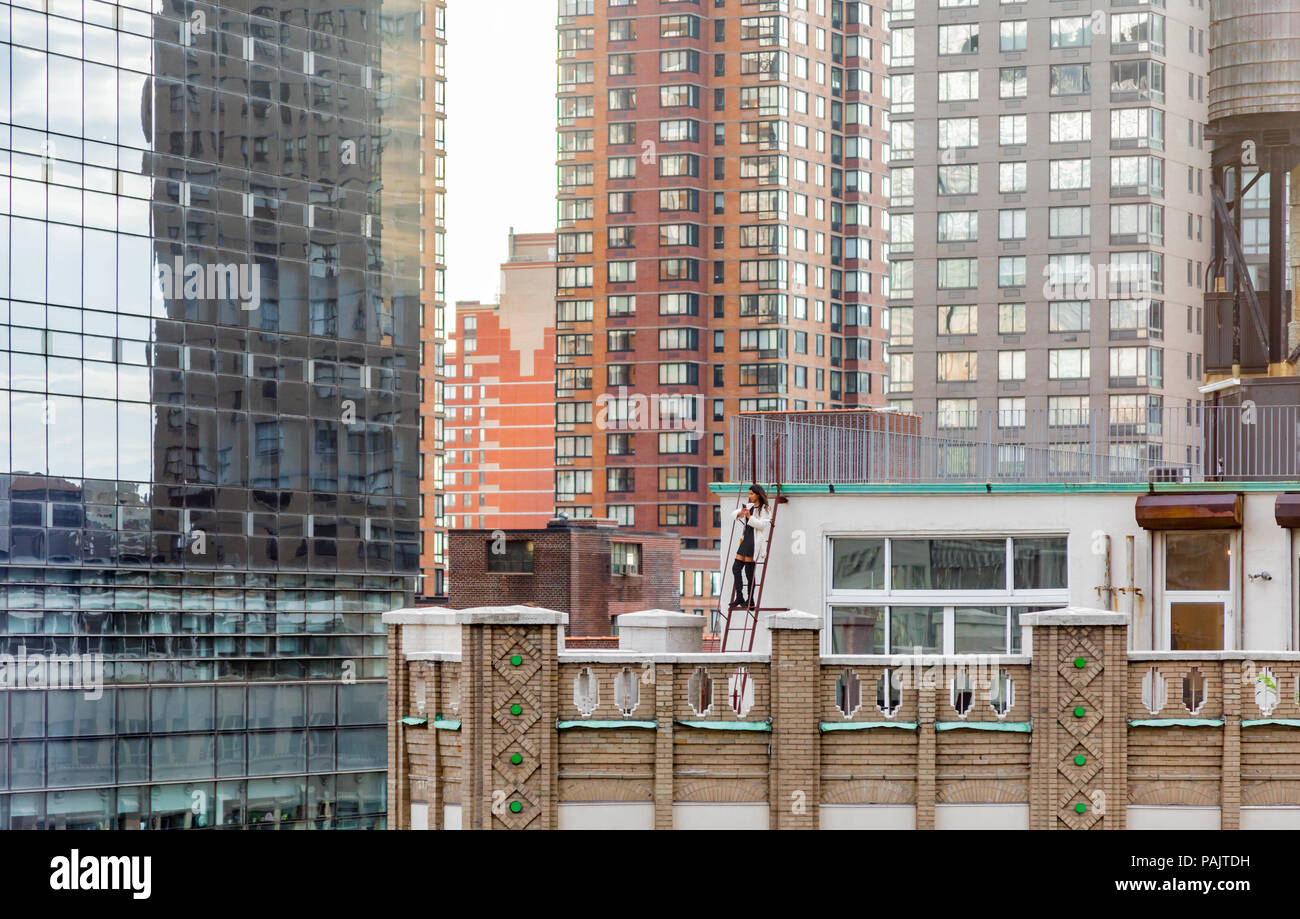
x,y
1107,588
1130,575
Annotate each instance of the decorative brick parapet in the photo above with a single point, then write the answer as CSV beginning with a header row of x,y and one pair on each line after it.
x,y
1230,774
664,780
423,681
1215,729
509,671
644,737
795,761
399,808
926,759
1079,697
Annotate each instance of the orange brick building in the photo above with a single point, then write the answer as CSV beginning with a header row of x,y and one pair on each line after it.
x,y
500,428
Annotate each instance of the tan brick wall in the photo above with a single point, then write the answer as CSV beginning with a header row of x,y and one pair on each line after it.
x,y
1099,691
795,767
1230,779
494,731
399,817
1179,766
665,682
926,770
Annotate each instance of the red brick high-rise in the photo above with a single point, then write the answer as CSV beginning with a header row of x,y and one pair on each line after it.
x,y
720,240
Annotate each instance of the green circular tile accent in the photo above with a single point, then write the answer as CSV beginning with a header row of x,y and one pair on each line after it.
x,y
518,709
516,759
1080,808
516,660
1079,712
516,807
1081,662
1080,760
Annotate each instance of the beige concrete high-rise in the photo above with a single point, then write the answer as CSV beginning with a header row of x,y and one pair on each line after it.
x,y
1036,146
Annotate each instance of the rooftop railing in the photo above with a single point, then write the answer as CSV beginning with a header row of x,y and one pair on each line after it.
x,y
1145,444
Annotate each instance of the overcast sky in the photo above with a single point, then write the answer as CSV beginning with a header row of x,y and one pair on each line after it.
x,y
500,136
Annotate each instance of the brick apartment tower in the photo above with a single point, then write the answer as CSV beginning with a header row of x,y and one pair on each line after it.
x,y
1031,134
433,303
500,433
720,238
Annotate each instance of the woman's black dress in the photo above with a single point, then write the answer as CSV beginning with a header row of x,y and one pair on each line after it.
x,y
746,549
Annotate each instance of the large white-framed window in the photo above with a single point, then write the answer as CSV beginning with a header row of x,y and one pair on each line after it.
x,y
1199,578
939,594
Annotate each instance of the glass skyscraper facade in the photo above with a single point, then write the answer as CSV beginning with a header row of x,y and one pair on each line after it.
x,y
209,437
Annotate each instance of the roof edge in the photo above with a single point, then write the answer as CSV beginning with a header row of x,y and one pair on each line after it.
x,y
1007,488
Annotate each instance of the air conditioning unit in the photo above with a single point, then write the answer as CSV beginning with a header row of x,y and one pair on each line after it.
x,y
1170,474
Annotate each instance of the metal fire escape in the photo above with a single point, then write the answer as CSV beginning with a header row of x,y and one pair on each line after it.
x,y
738,635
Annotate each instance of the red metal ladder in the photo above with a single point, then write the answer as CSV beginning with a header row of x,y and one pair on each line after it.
x,y
739,636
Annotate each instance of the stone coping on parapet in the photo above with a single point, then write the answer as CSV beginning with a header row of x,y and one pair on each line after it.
x,y
1073,615
510,615
659,619
431,616
581,656
481,615
1258,654
865,660
792,619
924,660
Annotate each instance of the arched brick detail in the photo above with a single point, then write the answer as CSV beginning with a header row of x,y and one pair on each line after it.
x,y
869,791
983,791
595,790
723,791
1192,794
1270,794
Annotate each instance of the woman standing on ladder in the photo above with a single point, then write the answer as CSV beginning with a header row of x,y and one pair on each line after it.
x,y
757,517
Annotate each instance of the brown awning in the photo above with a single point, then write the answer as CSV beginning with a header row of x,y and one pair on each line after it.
x,y
1189,512
1287,510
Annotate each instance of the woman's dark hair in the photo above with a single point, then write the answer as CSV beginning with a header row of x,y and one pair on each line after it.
x,y
762,495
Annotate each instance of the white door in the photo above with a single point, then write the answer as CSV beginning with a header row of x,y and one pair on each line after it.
x,y
1198,584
